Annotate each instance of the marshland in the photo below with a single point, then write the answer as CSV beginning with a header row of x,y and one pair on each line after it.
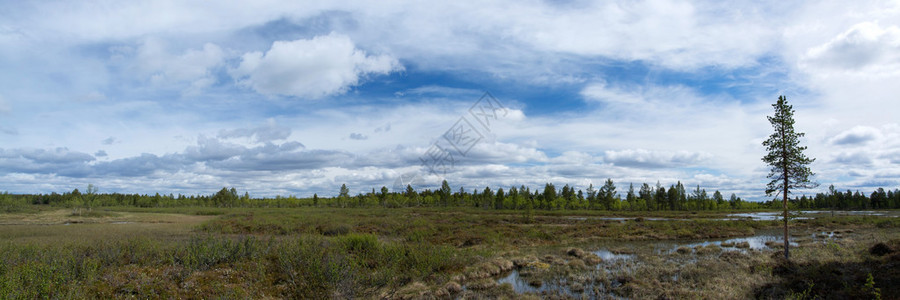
x,y
326,248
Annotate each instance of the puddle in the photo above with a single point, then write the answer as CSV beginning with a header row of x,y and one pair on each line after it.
x,y
804,215
825,236
756,243
617,268
607,255
859,213
754,216
520,285
623,219
593,284
766,216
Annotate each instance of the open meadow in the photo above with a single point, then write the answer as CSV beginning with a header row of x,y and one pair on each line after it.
x,y
443,253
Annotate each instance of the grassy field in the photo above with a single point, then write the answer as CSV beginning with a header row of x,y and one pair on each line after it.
x,y
429,253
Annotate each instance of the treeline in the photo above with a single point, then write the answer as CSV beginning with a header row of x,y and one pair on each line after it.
x,y
834,199
89,199
607,197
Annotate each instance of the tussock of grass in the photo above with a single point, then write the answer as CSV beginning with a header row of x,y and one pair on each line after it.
x,y
842,270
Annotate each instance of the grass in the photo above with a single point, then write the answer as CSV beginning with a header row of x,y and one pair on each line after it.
x,y
851,268
355,265
418,253
466,227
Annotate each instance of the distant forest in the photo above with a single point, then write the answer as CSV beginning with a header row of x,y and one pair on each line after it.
x,y
607,197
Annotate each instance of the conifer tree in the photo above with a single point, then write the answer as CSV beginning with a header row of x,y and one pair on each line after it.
x,y
789,166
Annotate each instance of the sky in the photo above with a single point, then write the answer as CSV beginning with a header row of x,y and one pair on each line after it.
x,y
300,97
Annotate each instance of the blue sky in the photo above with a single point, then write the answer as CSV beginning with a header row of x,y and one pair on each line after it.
x,y
292,97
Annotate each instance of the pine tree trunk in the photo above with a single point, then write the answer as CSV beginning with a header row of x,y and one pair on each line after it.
x,y
786,243
784,159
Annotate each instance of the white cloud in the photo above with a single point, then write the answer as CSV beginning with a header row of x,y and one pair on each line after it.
x,y
892,156
269,132
438,90
865,47
314,68
642,158
600,91
858,135
854,158
675,34
840,72
193,66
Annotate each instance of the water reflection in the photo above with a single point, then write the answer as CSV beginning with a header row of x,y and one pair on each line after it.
x,y
765,216
756,243
601,280
804,215
607,255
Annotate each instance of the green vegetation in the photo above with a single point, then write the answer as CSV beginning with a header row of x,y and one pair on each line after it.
x,y
357,265
646,198
328,252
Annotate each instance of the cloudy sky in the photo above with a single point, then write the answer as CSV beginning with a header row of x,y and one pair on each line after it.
x,y
292,97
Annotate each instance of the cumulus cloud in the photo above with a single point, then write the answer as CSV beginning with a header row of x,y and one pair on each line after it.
x,y
656,101
858,135
265,133
855,158
385,128
892,156
283,157
212,149
313,68
654,159
59,160
141,165
358,136
500,153
865,46
193,66
209,155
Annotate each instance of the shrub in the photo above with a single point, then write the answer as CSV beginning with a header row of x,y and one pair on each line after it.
x,y
204,253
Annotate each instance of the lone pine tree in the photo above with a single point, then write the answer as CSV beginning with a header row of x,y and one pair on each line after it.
x,y
789,166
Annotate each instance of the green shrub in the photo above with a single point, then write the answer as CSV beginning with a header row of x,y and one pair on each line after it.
x,y
359,244
311,268
333,229
204,253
